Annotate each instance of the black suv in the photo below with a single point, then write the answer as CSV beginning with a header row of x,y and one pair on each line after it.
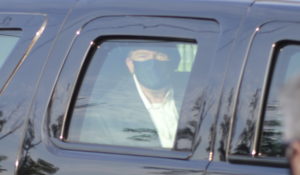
x,y
145,87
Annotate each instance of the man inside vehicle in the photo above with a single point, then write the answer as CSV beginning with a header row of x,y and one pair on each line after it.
x,y
133,99
152,72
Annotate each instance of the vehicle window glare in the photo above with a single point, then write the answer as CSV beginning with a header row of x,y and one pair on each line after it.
x,y
7,45
131,93
287,66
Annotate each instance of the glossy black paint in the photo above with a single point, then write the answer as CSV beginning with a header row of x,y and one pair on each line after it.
x,y
15,105
258,37
17,93
36,95
198,161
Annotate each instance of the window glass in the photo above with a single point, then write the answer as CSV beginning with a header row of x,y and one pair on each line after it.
x,y
131,93
7,43
287,66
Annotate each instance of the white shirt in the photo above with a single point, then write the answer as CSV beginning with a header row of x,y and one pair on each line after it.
x,y
164,116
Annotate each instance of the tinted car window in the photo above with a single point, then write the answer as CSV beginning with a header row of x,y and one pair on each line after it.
x,y
131,93
7,43
287,66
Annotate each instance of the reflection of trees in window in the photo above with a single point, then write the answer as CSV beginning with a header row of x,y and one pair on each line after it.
x,y
225,125
6,132
271,144
201,108
198,111
246,137
12,118
54,127
211,138
142,134
27,164
2,121
57,127
39,167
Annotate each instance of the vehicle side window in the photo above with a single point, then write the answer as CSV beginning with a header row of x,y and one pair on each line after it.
x,y
7,43
286,67
131,92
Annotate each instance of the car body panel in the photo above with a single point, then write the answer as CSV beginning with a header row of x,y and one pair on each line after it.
x,y
21,80
258,37
102,162
38,91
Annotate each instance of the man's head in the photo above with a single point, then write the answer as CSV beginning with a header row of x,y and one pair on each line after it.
x,y
152,67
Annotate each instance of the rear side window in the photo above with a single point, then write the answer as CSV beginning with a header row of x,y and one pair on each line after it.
x,y
286,67
131,92
8,41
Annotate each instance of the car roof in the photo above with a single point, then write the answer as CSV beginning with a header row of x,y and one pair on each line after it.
x,y
42,5
34,6
280,1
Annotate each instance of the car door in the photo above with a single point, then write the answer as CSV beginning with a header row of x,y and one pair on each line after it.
x,y
17,38
267,52
93,114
